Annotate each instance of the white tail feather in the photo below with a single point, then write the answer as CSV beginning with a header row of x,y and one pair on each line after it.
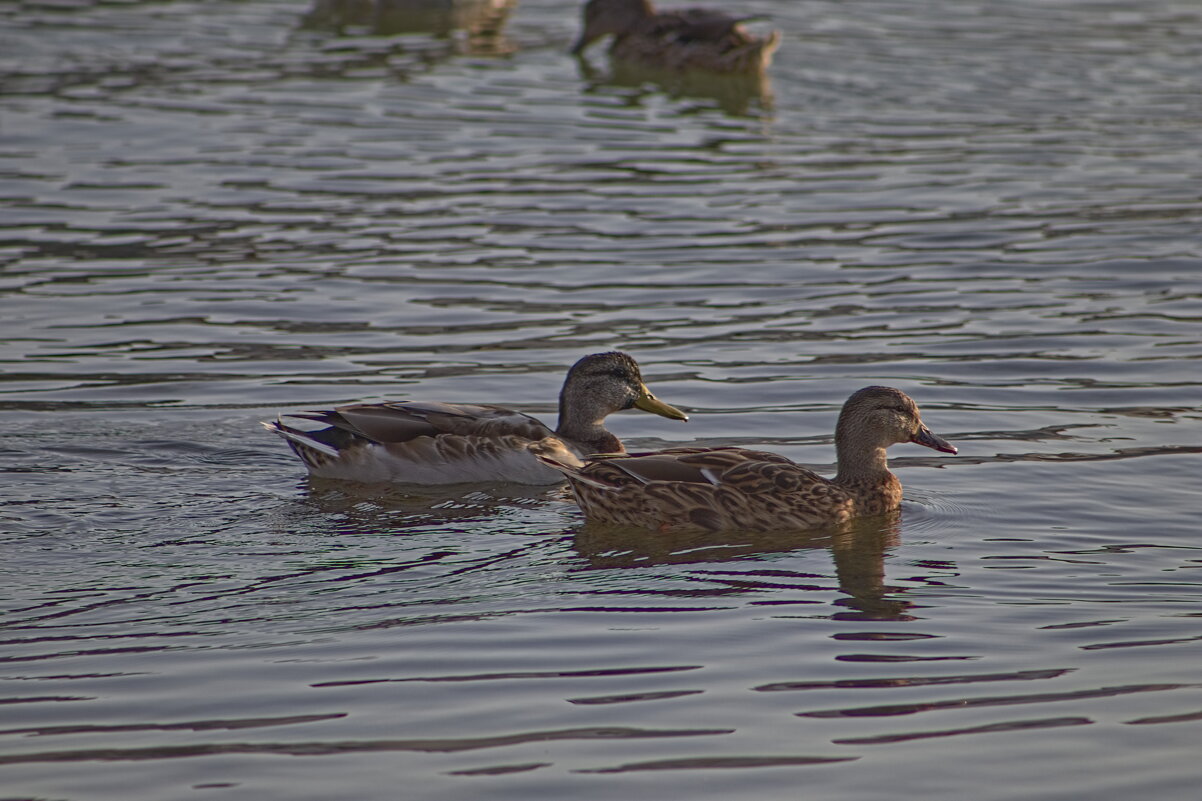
x,y
300,437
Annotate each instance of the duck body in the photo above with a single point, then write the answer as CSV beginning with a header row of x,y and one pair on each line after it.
x,y
389,17
727,489
721,489
416,442
421,443
676,39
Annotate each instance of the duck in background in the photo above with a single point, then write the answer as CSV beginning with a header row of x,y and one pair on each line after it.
x,y
481,21
735,489
676,39
450,443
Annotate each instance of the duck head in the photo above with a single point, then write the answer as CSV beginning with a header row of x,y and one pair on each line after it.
x,y
877,417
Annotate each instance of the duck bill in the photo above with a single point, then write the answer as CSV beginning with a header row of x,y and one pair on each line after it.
x,y
925,437
649,403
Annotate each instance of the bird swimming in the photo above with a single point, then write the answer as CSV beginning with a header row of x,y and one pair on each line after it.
x,y
675,39
729,489
449,443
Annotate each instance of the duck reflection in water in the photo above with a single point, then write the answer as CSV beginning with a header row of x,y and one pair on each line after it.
x,y
692,52
858,548
734,95
384,509
480,21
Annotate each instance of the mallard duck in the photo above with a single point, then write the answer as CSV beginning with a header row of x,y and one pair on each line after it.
x,y
678,39
723,489
449,443
390,17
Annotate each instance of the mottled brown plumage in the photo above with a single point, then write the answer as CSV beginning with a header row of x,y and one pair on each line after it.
x,y
719,489
478,18
675,39
448,443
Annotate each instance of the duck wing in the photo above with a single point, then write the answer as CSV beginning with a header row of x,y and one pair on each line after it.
x,y
404,421
738,469
702,25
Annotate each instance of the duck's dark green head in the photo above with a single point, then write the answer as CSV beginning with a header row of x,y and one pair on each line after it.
x,y
602,383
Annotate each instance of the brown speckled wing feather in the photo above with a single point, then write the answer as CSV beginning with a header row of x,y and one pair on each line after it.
x,y
457,449
710,489
700,465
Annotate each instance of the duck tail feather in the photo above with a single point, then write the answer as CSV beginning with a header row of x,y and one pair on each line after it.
x,y
298,437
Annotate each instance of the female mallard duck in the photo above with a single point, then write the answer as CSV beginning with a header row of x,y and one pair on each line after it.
x,y
720,489
450,443
482,20
677,39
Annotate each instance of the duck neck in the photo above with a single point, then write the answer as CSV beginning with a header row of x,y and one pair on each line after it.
x,y
861,463
864,474
585,431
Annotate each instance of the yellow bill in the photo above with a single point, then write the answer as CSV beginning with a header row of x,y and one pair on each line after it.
x,y
649,403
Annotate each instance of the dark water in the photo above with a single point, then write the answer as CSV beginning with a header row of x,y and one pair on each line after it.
x,y
213,211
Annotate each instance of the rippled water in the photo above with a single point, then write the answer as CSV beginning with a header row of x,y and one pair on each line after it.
x,y
213,211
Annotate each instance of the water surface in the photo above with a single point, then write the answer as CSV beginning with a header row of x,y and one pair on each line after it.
x,y
215,211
